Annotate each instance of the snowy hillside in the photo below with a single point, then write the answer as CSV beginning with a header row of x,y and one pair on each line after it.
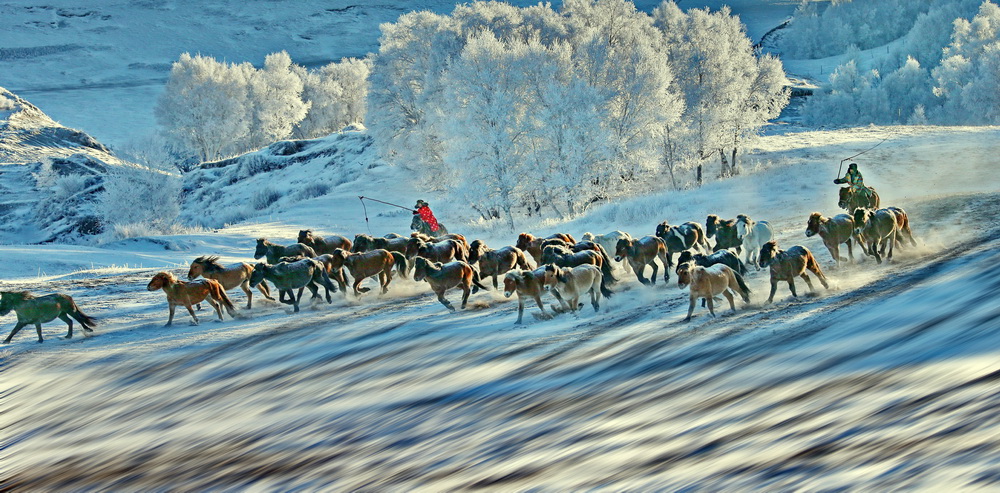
x,y
49,175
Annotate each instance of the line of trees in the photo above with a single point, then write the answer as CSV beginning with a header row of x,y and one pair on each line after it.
x,y
530,108
212,109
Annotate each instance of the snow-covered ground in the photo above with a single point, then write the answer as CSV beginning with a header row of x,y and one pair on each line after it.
x,y
886,379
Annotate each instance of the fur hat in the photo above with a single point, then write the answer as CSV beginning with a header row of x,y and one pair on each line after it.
x,y
421,203
852,165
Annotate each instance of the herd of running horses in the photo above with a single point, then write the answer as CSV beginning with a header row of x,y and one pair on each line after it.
x,y
558,264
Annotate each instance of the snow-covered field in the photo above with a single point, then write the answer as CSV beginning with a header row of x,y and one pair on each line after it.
x,y
886,380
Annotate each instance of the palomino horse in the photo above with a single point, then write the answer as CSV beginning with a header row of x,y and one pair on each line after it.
x,y
442,251
571,283
724,257
443,277
274,252
851,200
189,293
642,252
496,263
229,276
323,245
786,265
289,276
724,231
377,262
38,310
752,235
709,282
527,284
834,231
533,244
679,238
421,226
609,242
878,229
365,243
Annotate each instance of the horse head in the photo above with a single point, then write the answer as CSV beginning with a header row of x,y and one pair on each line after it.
x,y
259,272
420,268
662,228
812,227
261,250
711,225
743,225
10,299
683,274
196,269
305,237
477,249
767,253
523,240
685,257
362,243
622,248
160,280
861,216
510,282
588,236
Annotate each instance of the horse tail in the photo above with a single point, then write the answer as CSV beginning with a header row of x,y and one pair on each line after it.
x,y
604,287
744,289
607,269
477,280
219,294
522,260
85,320
741,267
401,266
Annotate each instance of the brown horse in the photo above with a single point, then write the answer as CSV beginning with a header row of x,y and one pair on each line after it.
x,y
724,257
851,201
377,262
725,233
496,263
289,276
323,245
42,309
565,257
708,282
834,231
274,252
442,251
533,244
188,293
334,266
786,265
879,229
642,252
434,239
443,277
527,284
229,276
571,283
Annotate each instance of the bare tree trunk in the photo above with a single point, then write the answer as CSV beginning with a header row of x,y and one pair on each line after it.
x,y
699,175
733,167
725,164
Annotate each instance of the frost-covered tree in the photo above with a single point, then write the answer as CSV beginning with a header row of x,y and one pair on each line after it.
x,y
205,106
276,101
336,93
967,79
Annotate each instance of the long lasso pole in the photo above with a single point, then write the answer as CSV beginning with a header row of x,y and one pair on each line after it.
x,y
841,168
363,199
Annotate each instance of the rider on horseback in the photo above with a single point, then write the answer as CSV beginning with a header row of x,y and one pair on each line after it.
x,y
855,180
424,210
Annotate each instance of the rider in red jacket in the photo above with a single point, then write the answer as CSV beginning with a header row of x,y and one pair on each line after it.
x,y
424,210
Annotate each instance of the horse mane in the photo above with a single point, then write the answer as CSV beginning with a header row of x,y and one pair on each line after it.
x,y
210,262
21,295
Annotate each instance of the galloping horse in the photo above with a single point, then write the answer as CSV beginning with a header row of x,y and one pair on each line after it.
x,y
42,309
527,284
229,276
533,244
679,238
365,243
725,257
852,201
878,229
496,262
709,282
752,235
786,265
421,226
442,277
571,283
608,242
190,293
834,231
323,245
289,276
377,262
442,251
642,252
274,252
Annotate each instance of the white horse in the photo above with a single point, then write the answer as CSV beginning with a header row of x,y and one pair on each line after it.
x,y
610,242
754,234
570,284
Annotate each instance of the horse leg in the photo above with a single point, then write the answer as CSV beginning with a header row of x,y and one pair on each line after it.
x,y
265,290
541,306
69,321
170,318
774,288
357,283
892,244
38,328
520,310
190,310
495,285
711,305
216,305
466,290
732,302
873,247
595,297
808,282
639,268
656,268
668,263
384,279
440,295
245,286
17,328
791,286
694,299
